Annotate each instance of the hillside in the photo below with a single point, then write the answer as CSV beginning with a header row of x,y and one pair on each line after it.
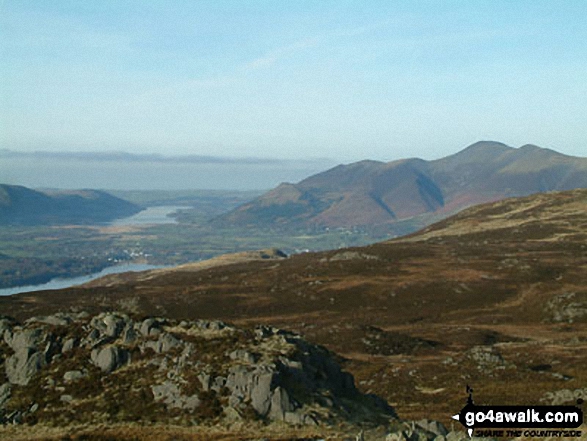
x,y
493,297
23,206
371,193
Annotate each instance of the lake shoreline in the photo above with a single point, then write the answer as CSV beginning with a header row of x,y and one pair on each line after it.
x,y
155,215
68,282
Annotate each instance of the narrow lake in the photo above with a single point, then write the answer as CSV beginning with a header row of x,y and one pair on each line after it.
x,y
73,281
149,216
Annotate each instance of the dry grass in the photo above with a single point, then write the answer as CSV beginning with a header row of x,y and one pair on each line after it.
x,y
128,432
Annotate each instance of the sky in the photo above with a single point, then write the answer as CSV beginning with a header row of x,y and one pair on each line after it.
x,y
346,80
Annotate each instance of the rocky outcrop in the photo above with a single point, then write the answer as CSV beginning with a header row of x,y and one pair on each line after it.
x,y
563,396
31,348
111,367
567,308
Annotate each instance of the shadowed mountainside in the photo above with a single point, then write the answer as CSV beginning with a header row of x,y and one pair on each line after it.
x,y
493,297
23,206
370,193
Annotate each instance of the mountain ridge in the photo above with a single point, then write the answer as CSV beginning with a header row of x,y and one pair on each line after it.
x,y
370,193
23,206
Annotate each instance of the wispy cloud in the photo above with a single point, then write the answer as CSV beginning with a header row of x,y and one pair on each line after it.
x,y
272,57
314,42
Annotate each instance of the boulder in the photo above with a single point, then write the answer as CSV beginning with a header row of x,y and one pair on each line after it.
x,y
129,335
69,345
58,319
109,358
165,342
24,339
110,324
255,386
280,404
170,394
150,326
114,324
70,376
23,365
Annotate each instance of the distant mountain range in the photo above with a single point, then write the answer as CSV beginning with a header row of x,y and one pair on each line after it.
x,y
120,156
371,193
23,206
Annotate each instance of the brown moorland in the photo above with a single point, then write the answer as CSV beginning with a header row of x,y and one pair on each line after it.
x,y
494,297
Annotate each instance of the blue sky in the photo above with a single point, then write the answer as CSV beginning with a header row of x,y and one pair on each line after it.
x,y
341,79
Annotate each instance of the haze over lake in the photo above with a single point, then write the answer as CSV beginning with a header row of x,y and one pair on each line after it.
x,y
148,172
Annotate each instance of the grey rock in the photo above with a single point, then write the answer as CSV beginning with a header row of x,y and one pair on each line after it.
x,y
93,336
73,376
69,345
149,326
6,324
243,355
129,335
218,384
280,404
166,342
255,385
24,339
457,436
566,308
170,394
565,396
408,434
15,417
109,358
114,324
163,344
435,427
241,381
294,418
25,363
214,325
204,379
236,401
487,358
58,319
231,415
5,391
263,331
52,348
109,324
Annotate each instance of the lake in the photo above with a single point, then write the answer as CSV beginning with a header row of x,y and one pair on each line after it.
x,y
74,281
149,216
